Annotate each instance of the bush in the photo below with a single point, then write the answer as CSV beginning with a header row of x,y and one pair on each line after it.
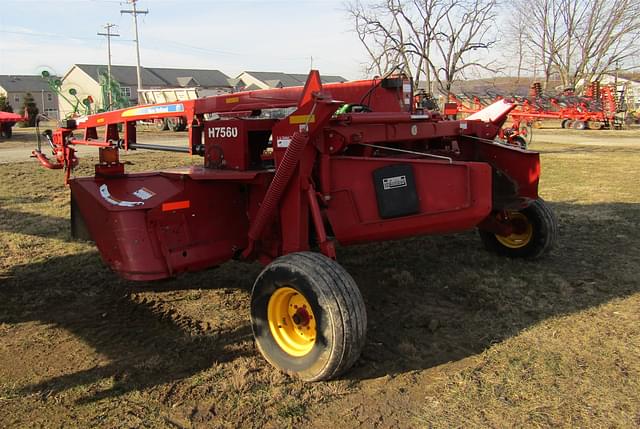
x,y
29,106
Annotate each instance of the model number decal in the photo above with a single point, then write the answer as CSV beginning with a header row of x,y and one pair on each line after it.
x,y
223,132
394,182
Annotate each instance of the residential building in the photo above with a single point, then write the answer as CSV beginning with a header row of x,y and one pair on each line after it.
x,y
629,86
15,87
252,80
87,80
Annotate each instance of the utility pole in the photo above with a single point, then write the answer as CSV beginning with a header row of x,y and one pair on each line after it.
x,y
109,35
135,14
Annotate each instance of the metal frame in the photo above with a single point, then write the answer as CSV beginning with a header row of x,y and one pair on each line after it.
x,y
269,187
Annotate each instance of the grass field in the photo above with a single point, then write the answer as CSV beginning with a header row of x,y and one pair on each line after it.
x,y
457,337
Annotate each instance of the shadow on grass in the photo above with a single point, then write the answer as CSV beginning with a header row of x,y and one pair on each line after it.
x,y
433,300
31,223
143,347
25,199
430,300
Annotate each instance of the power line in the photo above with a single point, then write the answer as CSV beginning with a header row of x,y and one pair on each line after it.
x,y
163,43
109,35
45,35
135,14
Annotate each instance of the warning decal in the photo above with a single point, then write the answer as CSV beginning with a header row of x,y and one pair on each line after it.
x,y
144,193
394,182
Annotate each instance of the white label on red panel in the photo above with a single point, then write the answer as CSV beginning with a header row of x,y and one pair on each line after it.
x,y
283,142
106,195
144,193
394,182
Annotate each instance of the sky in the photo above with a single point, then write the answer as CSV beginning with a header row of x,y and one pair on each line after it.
x,y
230,36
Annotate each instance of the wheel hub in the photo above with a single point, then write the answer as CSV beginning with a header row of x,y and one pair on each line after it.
x,y
522,231
301,317
291,321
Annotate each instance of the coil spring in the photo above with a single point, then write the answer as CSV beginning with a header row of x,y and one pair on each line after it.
x,y
537,89
595,89
278,184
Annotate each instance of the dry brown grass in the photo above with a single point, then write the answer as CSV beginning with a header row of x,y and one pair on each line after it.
x,y
457,338
581,370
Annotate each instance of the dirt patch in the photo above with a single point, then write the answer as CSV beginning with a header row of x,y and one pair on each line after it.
x,y
457,337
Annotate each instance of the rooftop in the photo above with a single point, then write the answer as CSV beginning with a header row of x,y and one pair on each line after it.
x,y
289,79
158,76
23,83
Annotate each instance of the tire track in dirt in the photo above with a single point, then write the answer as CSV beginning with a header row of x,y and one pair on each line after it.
x,y
163,311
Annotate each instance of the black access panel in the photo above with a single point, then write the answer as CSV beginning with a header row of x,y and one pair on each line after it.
x,y
396,191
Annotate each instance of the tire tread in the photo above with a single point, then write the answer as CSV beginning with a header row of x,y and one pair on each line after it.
x,y
345,308
543,241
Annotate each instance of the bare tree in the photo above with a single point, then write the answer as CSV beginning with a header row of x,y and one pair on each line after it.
x,y
516,53
577,39
532,25
438,40
381,30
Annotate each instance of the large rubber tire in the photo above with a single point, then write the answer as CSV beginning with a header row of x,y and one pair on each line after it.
x,y
6,129
526,132
595,125
580,125
336,305
161,125
176,124
540,238
519,141
563,124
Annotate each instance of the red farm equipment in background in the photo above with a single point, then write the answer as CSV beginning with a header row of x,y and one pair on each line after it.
x,y
7,121
601,107
354,163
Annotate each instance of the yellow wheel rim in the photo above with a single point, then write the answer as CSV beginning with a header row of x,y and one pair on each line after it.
x,y
522,234
291,321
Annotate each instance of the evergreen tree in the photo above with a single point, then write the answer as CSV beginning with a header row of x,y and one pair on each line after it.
x,y
4,104
29,106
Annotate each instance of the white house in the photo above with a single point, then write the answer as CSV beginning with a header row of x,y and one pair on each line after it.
x,y
87,80
631,88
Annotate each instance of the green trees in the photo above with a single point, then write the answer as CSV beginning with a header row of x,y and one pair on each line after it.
x,y
29,106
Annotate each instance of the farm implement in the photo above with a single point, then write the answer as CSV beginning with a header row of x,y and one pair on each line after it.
x,y
353,163
518,133
601,107
7,120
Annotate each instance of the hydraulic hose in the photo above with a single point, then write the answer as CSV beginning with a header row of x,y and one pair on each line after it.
x,y
45,162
